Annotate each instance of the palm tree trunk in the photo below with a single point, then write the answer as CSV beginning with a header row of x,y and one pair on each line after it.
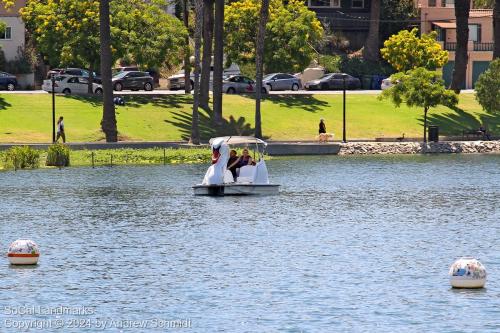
x,y
108,123
187,53
425,123
218,60
371,50
462,8
195,131
208,35
496,29
259,62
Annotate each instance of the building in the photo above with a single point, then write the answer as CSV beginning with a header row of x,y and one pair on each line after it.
x,y
439,16
14,36
349,17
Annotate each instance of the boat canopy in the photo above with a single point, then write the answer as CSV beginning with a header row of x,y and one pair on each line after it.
x,y
238,140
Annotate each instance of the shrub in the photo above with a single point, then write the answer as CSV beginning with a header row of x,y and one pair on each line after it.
x,y
23,157
357,66
58,155
331,63
488,88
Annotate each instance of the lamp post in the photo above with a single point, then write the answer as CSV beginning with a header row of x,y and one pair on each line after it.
x,y
53,80
343,113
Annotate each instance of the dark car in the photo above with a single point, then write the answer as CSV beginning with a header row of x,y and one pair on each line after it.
x,y
74,72
334,81
281,81
8,81
133,80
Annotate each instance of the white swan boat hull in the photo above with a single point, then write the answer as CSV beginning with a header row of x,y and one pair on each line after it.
x,y
236,189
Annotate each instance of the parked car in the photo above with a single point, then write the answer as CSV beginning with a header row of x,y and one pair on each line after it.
x,y
333,81
281,81
177,81
241,84
68,84
73,72
125,69
8,81
386,84
134,80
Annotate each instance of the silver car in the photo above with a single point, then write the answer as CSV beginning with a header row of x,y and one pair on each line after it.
x,y
281,81
239,84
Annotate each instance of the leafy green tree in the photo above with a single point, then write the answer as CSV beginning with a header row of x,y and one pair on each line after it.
x,y
406,51
291,33
421,88
488,88
483,4
67,31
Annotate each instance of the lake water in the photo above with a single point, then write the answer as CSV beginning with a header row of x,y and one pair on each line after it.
x,y
352,244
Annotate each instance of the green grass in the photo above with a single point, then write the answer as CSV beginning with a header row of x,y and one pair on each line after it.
x,y
129,157
27,117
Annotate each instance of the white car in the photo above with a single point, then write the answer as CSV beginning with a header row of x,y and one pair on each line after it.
x,y
177,81
68,85
386,84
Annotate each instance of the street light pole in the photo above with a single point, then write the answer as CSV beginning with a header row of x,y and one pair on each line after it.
x,y
343,121
53,79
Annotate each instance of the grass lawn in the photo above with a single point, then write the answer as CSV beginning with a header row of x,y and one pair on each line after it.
x,y
27,117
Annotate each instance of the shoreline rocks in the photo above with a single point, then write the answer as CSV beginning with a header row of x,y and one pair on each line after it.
x,y
450,147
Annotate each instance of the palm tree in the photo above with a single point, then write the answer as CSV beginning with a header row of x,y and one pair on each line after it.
x,y
208,35
496,29
462,8
195,131
108,123
371,50
187,63
259,62
218,60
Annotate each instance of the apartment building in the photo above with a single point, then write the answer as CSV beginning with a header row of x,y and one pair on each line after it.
x,y
439,16
348,17
14,35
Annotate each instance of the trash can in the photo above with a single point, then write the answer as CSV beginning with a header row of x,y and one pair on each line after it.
x,y
366,82
433,133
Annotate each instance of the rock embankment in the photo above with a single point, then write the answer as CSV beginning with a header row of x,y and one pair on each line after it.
x,y
467,147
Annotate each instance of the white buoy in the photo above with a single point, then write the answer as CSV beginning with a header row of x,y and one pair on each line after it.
x,y
467,272
23,252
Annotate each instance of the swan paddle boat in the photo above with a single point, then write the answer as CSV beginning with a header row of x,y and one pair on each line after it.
x,y
250,180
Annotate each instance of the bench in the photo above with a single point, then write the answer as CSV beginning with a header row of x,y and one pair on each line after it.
x,y
485,135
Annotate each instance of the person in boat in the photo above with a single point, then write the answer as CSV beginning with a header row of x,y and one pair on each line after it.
x,y
232,163
245,159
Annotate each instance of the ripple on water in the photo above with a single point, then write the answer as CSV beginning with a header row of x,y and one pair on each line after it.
x,y
351,244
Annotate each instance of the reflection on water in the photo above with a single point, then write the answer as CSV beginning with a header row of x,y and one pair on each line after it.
x,y
350,244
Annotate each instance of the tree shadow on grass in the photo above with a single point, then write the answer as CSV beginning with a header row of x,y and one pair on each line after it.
x,y
456,122
208,130
308,103
3,104
135,101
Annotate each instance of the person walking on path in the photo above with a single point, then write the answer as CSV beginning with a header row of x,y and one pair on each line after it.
x,y
322,126
60,130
